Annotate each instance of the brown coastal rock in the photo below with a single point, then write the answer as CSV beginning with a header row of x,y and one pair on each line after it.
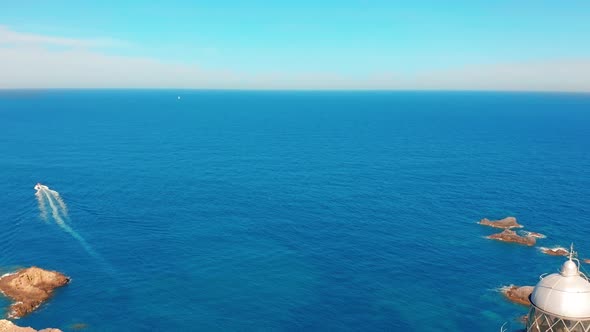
x,y
511,236
517,294
29,288
557,251
8,326
506,223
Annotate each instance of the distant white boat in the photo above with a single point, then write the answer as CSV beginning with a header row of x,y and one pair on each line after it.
x,y
178,97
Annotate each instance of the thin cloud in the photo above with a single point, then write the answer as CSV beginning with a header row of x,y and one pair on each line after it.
x,y
28,61
12,37
540,75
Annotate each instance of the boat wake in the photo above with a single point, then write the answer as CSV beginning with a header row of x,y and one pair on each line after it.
x,y
59,213
42,205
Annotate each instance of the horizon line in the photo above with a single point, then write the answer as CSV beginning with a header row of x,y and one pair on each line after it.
x,y
291,90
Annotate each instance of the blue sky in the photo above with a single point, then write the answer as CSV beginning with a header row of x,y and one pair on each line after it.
x,y
315,44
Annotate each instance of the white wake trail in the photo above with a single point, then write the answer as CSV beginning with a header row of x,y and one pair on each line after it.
x,y
57,212
54,209
42,207
60,201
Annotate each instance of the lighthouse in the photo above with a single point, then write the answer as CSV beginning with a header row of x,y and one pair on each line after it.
x,y
561,301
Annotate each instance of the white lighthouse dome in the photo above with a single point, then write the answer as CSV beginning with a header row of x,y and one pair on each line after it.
x,y
565,294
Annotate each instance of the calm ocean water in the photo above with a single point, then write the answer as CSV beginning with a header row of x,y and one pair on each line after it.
x,y
290,211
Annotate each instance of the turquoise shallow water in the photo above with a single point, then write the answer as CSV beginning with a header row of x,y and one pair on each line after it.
x,y
290,211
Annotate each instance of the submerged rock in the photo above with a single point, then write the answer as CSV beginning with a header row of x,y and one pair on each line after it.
x,y
506,223
511,236
8,326
557,251
517,294
78,326
29,288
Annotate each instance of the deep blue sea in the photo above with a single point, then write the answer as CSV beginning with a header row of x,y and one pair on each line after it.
x,y
290,211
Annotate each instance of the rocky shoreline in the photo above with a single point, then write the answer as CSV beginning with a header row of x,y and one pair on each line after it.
x,y
521,294
508,235
8,326
29,288
518,294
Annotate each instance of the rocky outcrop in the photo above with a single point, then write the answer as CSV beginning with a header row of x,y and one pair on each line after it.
x,y
506,223
511,236
29,288
8,326
557,251
517,294
533,234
